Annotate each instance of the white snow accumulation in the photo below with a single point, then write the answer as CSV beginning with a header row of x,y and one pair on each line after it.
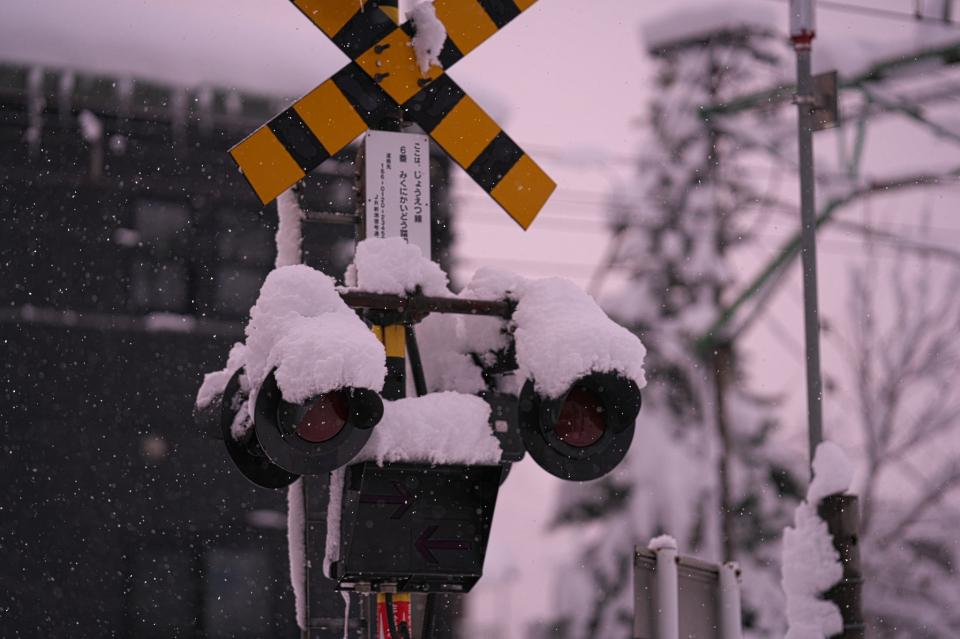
x,y
289,222
391,265
301,327
560,333
439,428
214,383
447,364
429,37
331,550
811,565
663,542
296,549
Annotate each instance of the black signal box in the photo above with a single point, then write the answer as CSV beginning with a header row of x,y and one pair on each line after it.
x,y
414,527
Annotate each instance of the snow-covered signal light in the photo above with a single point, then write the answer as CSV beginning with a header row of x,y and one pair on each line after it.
x,y
243,447
324,418
584,433
318,435
581,422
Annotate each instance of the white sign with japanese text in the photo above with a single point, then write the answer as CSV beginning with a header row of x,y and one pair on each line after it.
x,y
397,184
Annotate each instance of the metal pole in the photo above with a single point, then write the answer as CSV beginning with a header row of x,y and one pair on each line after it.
x,y
802,34
668,593
730,615
842,515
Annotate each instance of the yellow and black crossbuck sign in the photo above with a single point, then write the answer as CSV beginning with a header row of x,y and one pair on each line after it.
x,y
381,81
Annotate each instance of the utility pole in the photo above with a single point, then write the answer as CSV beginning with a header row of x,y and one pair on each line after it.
x,y
841,512
802,31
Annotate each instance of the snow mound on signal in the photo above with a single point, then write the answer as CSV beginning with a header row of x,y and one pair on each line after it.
x,y
300,327
439,428
560,332
391,265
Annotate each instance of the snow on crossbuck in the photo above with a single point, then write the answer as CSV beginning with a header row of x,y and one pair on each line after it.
x,y
384,79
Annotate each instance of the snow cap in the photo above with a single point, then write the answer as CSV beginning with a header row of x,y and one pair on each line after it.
x,y
560,332
430,35
301,327
832,472
439,428
562,335
391,265
663,542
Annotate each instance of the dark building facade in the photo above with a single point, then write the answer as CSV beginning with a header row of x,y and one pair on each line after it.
x,y
131,251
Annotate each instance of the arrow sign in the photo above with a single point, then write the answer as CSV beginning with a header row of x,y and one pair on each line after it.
x,y
403,498
425,544
381,81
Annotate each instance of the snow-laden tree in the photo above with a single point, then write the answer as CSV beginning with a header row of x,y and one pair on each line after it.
x,y
905,354
700,467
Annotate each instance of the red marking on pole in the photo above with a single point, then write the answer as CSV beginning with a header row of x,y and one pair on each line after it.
x,y
401,615
425,544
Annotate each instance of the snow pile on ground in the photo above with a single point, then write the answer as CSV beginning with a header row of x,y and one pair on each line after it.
x,y
439,428
430,35
559,331
811,565
391,265
301,327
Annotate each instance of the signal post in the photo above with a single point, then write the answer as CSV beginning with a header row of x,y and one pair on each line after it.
x,y
408,527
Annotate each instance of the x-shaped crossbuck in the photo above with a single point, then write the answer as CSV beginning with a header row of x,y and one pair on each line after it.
x,y
382,81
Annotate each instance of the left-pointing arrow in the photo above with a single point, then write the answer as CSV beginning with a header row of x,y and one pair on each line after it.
x,y
425,544
403,498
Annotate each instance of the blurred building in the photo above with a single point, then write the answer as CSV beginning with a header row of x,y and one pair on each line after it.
x,y
131,251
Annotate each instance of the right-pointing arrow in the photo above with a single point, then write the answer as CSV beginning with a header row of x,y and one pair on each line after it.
x,y
403,499
425,544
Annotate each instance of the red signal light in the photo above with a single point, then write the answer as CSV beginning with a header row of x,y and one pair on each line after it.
x,y
581,422
325,418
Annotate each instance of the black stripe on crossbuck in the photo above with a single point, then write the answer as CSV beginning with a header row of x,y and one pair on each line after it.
x,y
433,103
449,54
500,11
298,140
495,161
362,31
371,103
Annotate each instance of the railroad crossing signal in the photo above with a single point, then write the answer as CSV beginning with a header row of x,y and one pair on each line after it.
x,y
383,80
